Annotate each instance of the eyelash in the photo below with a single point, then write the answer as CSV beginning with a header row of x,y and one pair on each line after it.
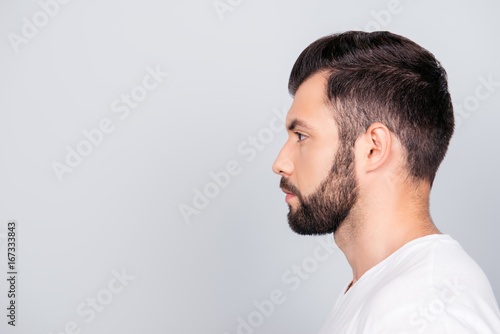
x,y
298,135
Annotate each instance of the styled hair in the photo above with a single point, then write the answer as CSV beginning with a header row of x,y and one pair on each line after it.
x,y
387,78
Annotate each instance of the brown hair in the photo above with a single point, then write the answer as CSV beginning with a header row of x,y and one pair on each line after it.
x,y
387,78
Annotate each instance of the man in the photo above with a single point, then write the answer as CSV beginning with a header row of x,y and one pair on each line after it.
x,y
369,125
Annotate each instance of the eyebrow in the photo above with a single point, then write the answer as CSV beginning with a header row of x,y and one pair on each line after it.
x,y
298,122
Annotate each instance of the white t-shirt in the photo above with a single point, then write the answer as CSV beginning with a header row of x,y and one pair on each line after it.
x,y
429,285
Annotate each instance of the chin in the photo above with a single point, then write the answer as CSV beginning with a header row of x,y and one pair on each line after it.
x,y
304,226
308,230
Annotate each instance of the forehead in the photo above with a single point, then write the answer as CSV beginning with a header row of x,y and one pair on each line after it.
x,y
310,104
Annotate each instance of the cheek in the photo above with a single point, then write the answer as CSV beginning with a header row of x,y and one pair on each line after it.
x,y
314,167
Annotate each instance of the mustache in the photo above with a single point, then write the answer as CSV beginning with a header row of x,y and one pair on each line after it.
x,y
288,187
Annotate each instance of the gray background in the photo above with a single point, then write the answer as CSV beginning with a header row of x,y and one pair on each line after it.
x,y
119,209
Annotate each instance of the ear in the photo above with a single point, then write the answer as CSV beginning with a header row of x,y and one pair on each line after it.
x,y
378,143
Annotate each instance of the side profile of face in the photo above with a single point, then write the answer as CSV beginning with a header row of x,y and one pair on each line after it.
x,y
318,172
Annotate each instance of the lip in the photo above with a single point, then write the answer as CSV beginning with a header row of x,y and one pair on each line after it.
x,y
288,195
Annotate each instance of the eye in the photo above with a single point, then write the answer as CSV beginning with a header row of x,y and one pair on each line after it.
x,y
301,136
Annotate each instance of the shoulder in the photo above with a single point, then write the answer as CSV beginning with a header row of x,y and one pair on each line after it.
x,y
433,288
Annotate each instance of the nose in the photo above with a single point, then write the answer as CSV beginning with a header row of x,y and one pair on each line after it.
x,y
283,165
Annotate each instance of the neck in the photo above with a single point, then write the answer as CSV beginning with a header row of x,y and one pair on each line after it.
x,y
377,228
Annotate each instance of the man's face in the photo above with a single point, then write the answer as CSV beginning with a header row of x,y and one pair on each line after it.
x,y
314,166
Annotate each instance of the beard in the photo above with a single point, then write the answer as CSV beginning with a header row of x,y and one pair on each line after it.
x,y
323,211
